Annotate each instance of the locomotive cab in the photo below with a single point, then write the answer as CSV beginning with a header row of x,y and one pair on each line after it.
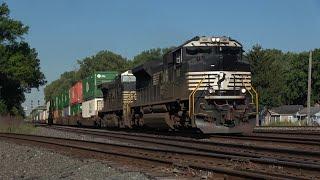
x,y
217,82
202,84
222,101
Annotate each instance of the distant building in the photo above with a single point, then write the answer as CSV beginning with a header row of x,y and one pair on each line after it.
x,y
314,114
37,113
282,114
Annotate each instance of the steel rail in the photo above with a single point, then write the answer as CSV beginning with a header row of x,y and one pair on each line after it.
x,y
196,145
85,145
295,140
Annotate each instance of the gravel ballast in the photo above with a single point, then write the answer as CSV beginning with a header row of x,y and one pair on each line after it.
x,y
24,162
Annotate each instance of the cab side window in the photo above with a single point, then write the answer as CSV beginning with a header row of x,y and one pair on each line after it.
x,y
177,56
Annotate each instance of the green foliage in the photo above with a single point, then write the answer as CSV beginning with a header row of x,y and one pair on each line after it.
x,y
315,83
3,108
19,65
267,74
102,61
10,29
281,78
151,54
63,83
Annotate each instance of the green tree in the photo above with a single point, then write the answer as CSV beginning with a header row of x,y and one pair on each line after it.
x,y
102,61
151,54
19,65
3,107
297,79
66,80
315,96
268,67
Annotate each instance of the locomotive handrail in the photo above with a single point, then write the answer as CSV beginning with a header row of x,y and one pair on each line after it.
x,y
191,98
257,105
256,102
250,94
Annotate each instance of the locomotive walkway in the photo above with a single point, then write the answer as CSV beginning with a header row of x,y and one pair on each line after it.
x,y
235,159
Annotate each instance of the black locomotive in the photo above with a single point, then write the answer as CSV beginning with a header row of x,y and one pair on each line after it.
x,y
203,85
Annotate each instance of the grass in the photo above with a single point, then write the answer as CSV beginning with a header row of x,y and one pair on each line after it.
x,y
288,123
10,124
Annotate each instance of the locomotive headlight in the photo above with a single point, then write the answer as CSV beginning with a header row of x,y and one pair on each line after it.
x,y
243,90
211,90
213,39
218,39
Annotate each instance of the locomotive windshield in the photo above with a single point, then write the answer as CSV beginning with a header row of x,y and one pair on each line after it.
x,y
215,58
230,50
223,50
199,50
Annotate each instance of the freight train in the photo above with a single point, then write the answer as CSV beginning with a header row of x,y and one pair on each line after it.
x,y
202,85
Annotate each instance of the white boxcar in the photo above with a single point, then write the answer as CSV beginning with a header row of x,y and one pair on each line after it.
x,y
91,107
41,115
47,110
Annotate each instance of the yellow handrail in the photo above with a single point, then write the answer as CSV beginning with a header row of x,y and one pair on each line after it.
x,y
256,102
250,94
257,106
191,98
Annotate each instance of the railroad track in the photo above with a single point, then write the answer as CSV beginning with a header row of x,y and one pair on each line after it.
x,y
255,168
289,130
277,139
282,157
310,146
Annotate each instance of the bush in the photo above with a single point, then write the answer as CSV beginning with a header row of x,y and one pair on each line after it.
x,y
288,123
10,124
3,108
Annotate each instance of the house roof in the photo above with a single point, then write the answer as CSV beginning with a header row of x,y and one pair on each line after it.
x,y
286,109
313,110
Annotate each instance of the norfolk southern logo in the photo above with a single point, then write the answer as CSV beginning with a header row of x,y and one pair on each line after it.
x,y
101,76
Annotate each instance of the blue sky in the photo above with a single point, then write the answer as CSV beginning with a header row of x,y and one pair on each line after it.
x,y
64,31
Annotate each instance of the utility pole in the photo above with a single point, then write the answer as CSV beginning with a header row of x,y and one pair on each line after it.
x,y
309,87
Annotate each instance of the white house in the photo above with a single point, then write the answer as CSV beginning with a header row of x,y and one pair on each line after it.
x,y
314,114
282,113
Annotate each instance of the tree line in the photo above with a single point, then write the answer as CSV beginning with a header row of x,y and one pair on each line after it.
x,y
102,61
279,77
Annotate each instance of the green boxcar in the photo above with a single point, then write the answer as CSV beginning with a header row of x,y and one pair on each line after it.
x,y
76,109
89,84
65,99
55,103
60,97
